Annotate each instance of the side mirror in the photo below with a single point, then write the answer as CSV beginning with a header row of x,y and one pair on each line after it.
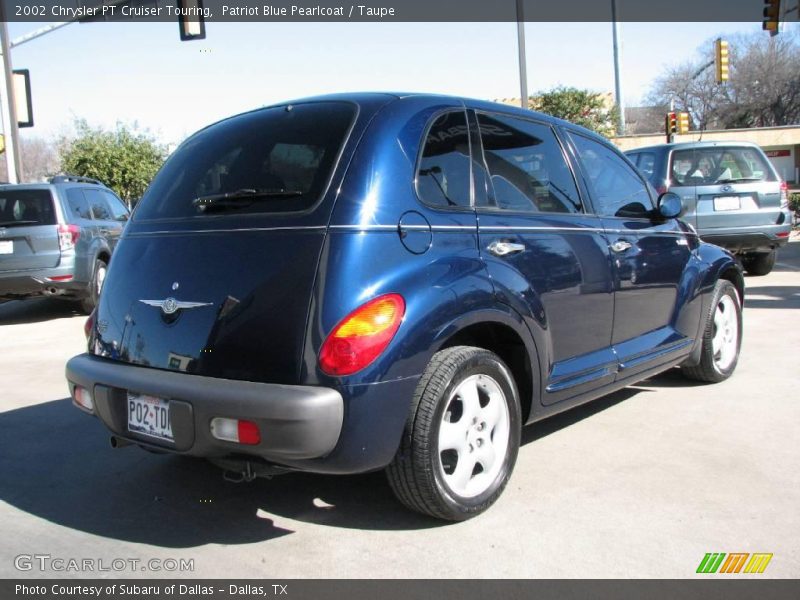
x,y
670,205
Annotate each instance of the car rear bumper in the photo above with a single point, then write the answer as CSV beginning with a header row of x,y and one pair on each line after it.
x,y
748,239
296,423
45,282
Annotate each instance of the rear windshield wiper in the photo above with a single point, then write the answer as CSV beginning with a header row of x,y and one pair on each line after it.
x,y
739,180
244,196
6,223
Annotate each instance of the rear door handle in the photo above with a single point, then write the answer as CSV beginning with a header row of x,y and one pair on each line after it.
x,y
621,246
505,248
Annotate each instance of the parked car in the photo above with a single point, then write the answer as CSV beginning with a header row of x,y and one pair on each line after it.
x,y
360,282
56,238
732,194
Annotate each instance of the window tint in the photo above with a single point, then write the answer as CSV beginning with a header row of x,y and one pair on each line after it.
x,y
78,205
118,209
717,165
443,178
98,205
617,190
526,166
290,151
26,207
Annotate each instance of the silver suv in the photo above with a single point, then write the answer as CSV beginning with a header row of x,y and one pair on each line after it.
x,y
56,238
731,194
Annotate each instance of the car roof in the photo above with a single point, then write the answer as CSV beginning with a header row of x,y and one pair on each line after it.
x,y
692,146
380,99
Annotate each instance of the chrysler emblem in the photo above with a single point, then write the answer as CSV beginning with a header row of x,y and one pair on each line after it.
x,y
170,305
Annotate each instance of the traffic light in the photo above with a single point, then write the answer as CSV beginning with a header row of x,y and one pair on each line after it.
x,y
191,20
683,122
772,16
721,60
671,123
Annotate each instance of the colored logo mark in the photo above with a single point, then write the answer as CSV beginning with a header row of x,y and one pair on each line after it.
x,y
734,562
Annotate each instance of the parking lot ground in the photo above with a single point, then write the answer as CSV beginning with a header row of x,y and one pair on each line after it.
x,y
642,483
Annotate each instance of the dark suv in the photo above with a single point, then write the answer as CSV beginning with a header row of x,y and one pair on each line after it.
x,y
731,192
358,282
56,238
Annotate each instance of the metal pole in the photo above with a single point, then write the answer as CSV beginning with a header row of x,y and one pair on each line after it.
x,y
523,70
617,77
9,109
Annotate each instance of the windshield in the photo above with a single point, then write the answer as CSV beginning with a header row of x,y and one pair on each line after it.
x,y
288,151
26,207
718,165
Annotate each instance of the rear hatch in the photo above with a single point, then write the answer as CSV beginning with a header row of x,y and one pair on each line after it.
x,y
734,186
28,230
215,271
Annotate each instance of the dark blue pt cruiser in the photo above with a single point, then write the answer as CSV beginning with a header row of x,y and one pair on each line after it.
x,y
368,281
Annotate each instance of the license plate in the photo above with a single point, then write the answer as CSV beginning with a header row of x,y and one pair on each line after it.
x,y
7,247
150,416
727,203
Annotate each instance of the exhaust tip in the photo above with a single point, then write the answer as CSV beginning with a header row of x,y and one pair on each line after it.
x,y
118,442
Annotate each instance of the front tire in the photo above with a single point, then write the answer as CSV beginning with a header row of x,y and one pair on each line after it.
x,y
462,437
760,264
722,337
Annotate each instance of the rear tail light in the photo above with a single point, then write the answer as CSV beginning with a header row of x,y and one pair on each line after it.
x,y
362,335
68,236
784,194
237,431
89,325
82,398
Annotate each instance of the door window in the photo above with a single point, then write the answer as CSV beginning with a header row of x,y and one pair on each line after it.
x,y
98,206
118,210
527,167
617,190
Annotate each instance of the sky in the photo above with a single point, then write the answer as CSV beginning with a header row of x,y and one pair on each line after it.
x,y
141,73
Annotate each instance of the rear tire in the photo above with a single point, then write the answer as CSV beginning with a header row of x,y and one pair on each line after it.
x,y
95,287
760,264
722,337
462,437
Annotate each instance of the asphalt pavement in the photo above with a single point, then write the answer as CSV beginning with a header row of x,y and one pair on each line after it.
x,y
642,483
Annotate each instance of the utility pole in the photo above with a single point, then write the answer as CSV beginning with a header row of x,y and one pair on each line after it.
x,y
617,77
523,69
9,109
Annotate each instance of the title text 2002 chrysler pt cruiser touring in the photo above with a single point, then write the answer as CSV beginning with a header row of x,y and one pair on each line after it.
x,y
350,283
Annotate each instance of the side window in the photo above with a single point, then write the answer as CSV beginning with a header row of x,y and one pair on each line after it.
x,y
616,188
97,205
77,204
119,211
443,177
526,166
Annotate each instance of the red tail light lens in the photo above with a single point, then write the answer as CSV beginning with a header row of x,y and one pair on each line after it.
x,y
362,335
89,325
784,194
68,236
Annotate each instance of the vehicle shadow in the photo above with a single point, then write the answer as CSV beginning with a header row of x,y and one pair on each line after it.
x,y
774,296
57,464
37,310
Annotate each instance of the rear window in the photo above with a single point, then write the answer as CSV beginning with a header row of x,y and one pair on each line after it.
x,y
26,207
719,165
646,163
272,160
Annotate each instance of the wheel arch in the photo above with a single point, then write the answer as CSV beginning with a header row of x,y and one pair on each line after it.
x,y
508,338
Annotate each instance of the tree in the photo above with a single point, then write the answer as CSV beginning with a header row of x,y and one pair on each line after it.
x,y
582,107
763,89
39,159
125,159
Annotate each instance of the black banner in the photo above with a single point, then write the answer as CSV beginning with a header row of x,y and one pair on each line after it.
x,y
389,10
318,589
